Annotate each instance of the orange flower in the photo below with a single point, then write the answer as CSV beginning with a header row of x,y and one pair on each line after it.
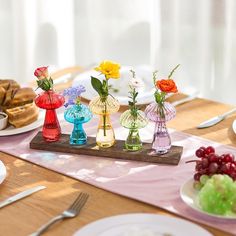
x,y
167,86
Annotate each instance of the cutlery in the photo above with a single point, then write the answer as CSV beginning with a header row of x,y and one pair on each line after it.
x,y
216,119
183,100
21,195
71,212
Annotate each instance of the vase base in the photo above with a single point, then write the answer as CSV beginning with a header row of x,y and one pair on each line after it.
x,y
160,152
105,144
51,134
77,142
132,147
49,140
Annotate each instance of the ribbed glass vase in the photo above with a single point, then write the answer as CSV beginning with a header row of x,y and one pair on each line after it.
x,y
78,114
160,114
50,101
133,123
105,137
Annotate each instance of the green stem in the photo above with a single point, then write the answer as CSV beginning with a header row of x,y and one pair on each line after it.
x,y
171,73
135,109
104,120
105,111
49,94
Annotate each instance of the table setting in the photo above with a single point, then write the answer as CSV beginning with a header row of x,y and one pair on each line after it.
x,y
142,148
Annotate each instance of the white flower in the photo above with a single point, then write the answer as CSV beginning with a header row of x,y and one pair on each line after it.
x,y
136,83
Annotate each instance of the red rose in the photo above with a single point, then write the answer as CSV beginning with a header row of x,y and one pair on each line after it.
x,y
41,72
167,86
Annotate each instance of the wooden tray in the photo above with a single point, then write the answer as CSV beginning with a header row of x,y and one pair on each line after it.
x,y
116,151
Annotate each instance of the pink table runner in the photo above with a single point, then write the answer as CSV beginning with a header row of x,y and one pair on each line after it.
x,y
158,185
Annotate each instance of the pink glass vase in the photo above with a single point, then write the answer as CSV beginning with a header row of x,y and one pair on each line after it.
x,y
161,143
50,101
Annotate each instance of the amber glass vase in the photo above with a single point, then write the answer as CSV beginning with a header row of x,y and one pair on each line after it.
x,y
105,137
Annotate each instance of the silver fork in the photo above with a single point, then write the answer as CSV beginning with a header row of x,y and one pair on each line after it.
x,y
71,212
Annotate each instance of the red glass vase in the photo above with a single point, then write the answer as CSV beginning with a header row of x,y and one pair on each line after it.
x,y
50,101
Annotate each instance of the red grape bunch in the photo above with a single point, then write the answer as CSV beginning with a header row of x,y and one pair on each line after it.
x,y
210,163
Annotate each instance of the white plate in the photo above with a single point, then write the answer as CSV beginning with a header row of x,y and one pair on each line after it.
x,y
3,172
234,126
141,225
143,72
10,130
189,196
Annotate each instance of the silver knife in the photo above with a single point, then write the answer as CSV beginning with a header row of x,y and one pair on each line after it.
x,y
215,120
21,195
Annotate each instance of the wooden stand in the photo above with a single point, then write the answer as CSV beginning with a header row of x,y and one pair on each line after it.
x,y
116,151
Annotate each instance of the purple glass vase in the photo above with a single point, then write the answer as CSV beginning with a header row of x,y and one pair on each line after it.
x,y
160,114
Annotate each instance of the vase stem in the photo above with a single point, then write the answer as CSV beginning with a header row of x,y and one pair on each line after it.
x,y
161,140
51,128
78,135
133,141
105,134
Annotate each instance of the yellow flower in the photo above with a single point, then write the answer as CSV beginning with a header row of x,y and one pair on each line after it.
x,y
109,69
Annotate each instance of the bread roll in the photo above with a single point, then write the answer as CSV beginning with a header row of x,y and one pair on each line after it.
x,y
9,83
2,95
18,97
17,103
22,115
8,98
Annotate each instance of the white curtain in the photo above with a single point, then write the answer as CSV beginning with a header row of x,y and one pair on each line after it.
x,y
198,34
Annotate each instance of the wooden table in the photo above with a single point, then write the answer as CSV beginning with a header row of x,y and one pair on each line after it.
x,y
25,216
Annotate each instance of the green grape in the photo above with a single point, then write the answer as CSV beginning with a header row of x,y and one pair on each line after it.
x,y
204,178
218,195
197,185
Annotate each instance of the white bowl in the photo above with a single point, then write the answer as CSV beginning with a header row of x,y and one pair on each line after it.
x,y
3,120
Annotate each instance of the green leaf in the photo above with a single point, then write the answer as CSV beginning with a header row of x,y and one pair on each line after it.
x,y
97,85
158,97
51,80
131,103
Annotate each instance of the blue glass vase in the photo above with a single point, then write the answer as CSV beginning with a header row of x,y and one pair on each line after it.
x,y
77,115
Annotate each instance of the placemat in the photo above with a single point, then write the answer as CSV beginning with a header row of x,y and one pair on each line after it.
x,y
158,185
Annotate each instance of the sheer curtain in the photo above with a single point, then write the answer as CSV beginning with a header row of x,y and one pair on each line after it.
x,y
200,35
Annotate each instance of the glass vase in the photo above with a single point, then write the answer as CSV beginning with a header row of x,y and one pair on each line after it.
x,y
133,123
105,137
77,115
50,101
160,114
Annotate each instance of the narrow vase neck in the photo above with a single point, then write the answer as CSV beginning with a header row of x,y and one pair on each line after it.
x,y
105,118
78,126
51,116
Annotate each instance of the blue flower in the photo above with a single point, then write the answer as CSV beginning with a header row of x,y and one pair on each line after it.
x,y
73,94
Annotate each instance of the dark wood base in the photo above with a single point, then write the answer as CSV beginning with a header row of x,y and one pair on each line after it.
x,y
116,151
